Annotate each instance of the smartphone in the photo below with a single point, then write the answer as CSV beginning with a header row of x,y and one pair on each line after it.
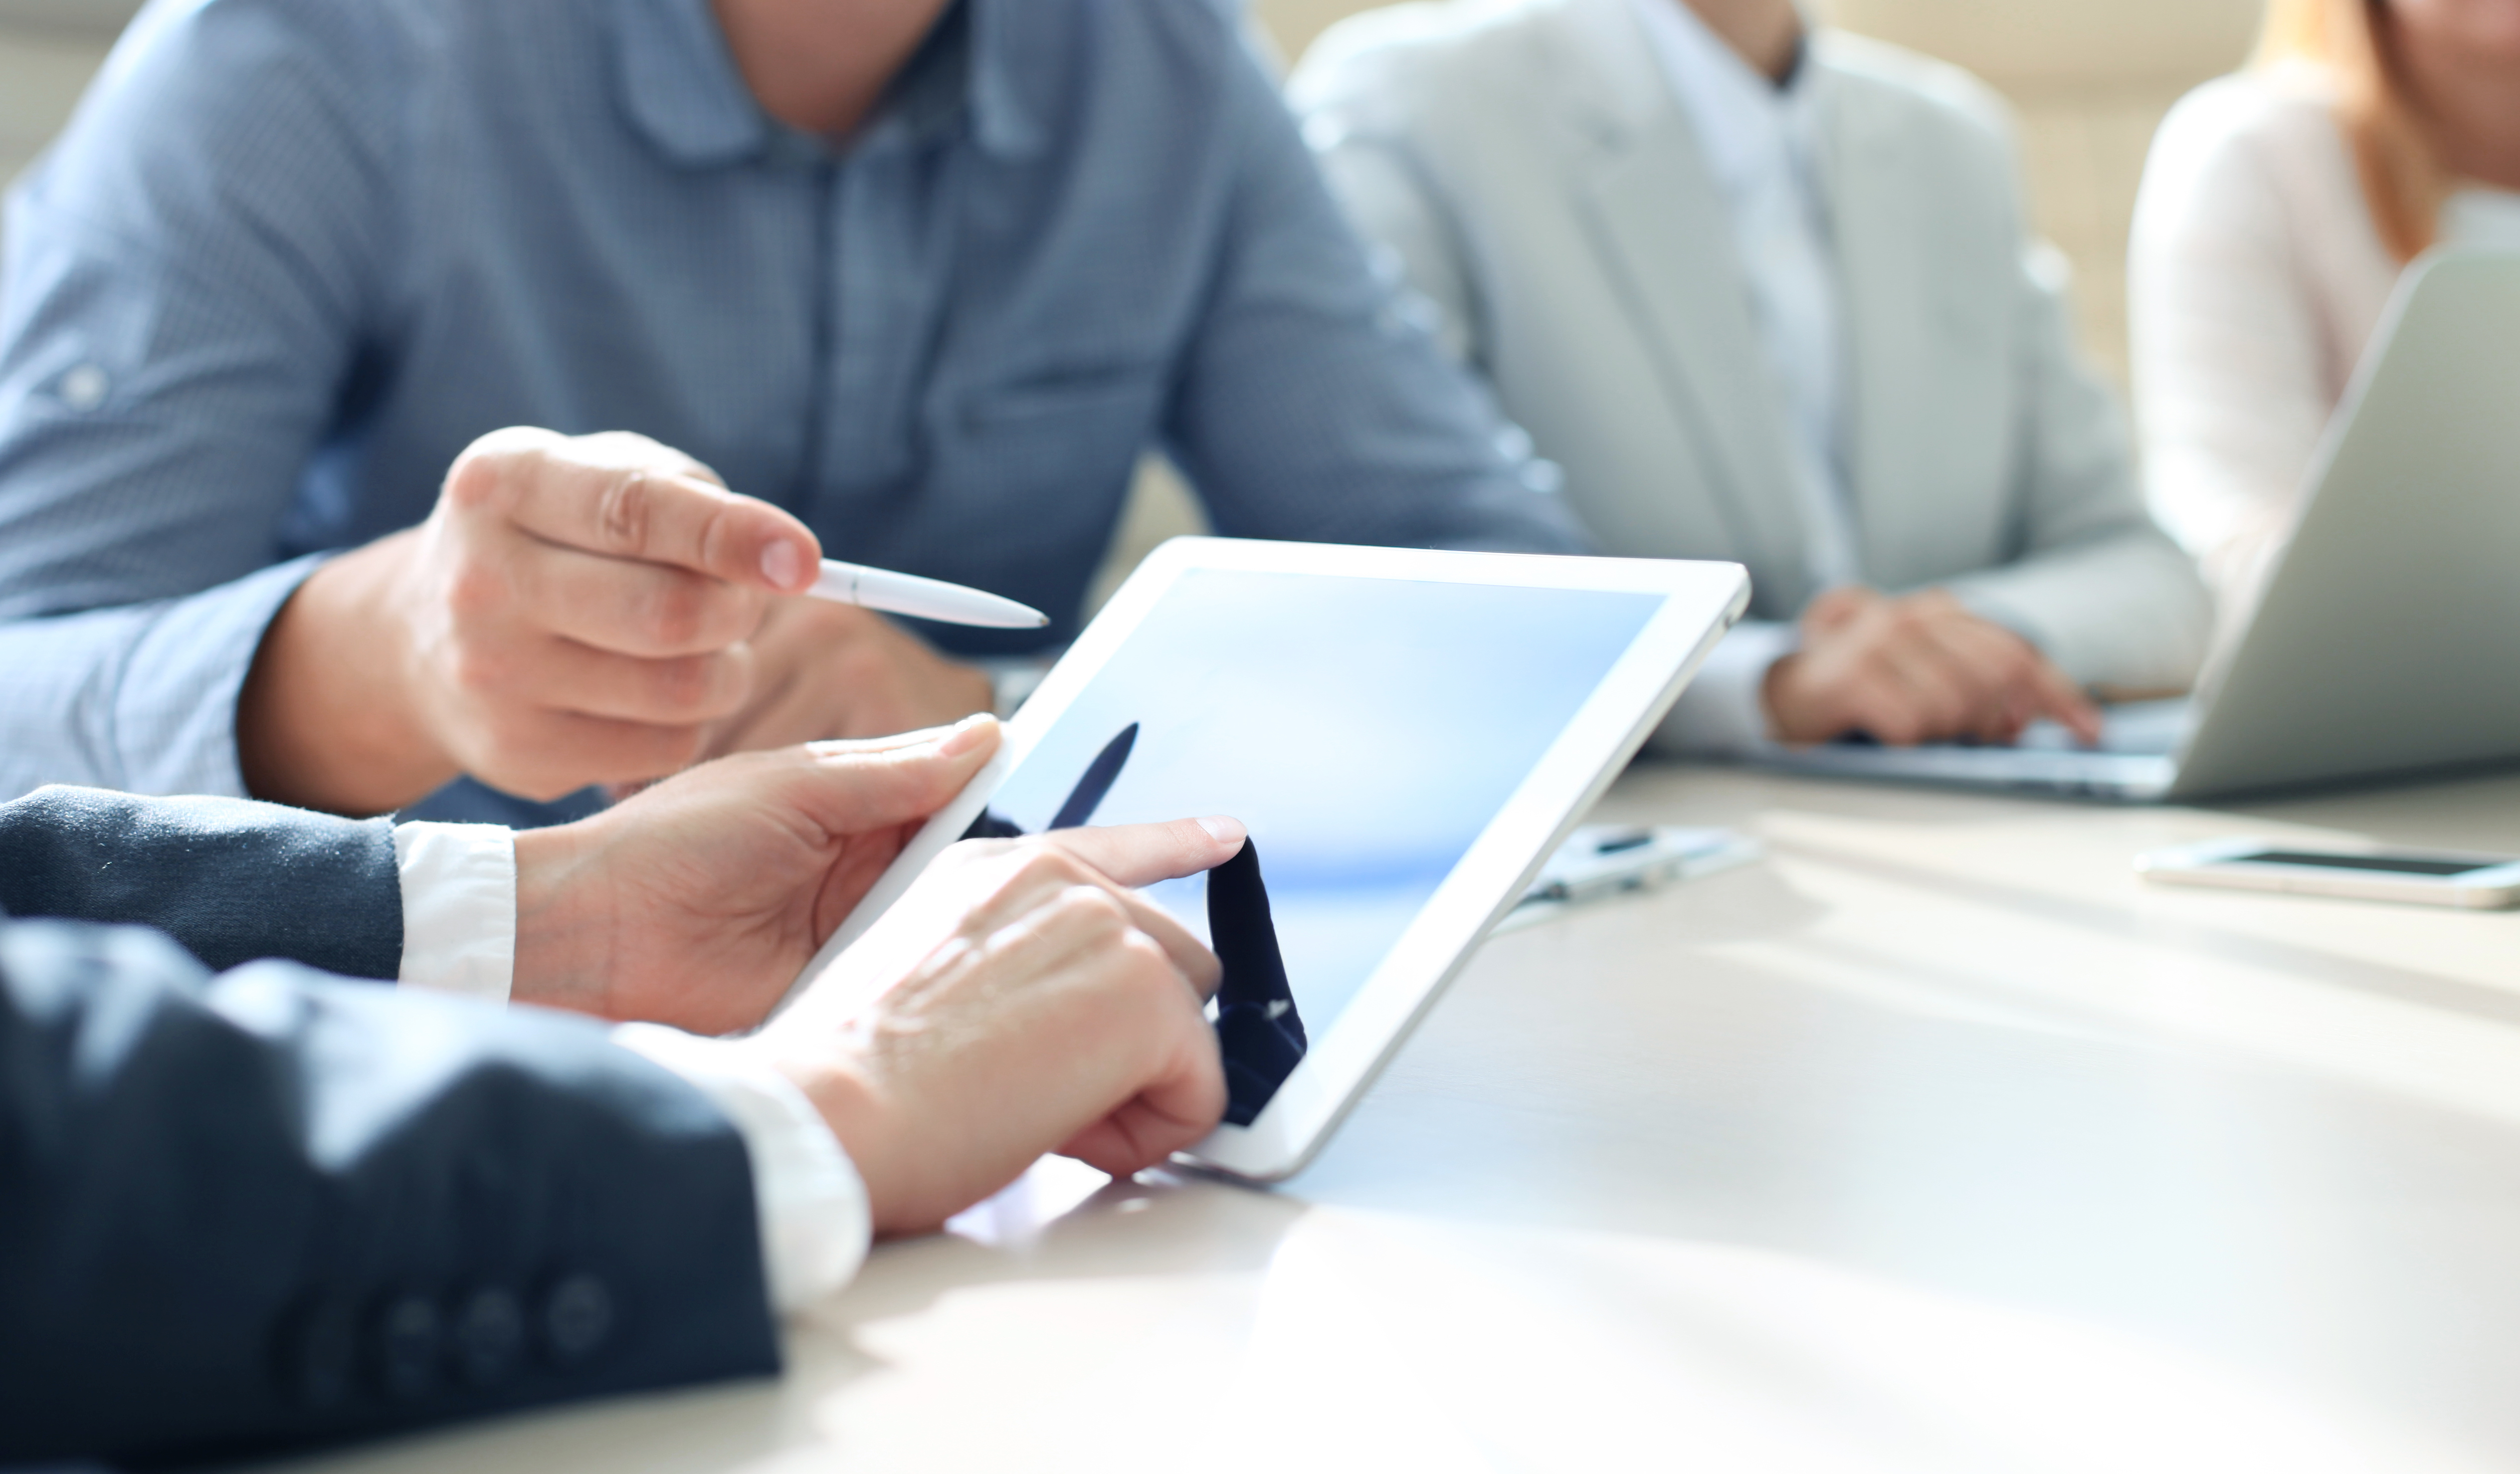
x,y
2480,882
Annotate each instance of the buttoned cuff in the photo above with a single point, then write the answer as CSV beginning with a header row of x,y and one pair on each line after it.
x,y
459,909
812,1205
1723,712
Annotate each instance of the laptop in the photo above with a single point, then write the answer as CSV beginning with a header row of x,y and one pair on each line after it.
x,y
2387,641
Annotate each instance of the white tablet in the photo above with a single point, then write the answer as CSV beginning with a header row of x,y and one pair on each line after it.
x,y
1407,735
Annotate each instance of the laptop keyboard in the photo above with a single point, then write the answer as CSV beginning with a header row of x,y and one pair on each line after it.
x,y
2132,762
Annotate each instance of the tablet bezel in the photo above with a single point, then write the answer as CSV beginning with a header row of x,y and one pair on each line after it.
x,y
1700,600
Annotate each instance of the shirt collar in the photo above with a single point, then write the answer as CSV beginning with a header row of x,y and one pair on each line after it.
x,y
1742,119
682,89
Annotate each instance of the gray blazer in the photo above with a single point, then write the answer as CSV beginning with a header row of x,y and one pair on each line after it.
x,y
1539,184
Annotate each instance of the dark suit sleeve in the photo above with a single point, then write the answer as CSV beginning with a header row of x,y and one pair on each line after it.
x,y
275,1210
233,881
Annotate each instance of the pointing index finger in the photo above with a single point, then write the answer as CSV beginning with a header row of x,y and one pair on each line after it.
x,y
2065,701
1140,854
661,515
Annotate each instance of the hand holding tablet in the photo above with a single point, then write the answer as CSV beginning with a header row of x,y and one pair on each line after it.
x,y
1026,971
1406,735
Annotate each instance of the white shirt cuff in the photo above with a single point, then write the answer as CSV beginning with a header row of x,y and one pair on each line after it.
x,y
459,908
1723,713
815,1222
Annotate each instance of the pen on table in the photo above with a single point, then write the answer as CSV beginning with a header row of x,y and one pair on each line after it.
x,y
921,597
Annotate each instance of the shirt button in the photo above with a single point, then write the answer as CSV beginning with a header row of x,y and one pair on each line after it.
x,y
489,1336
84,387
409,1335
578,1319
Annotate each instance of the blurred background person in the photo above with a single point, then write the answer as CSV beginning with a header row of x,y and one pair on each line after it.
x,y
1770,297
2279,208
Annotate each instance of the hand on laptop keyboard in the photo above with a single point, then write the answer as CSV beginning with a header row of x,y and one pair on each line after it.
x,y
1918,668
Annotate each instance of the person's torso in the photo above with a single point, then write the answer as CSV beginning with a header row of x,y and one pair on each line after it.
x,y
1615,315
944,352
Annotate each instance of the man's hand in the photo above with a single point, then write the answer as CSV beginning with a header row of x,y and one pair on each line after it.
x,y
1020,999
1916,669
832,670
591,610
697,903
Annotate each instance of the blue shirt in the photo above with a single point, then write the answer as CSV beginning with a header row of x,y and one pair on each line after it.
x,y
292,255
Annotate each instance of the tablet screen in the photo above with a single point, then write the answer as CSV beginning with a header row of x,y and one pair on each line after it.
x,y
1367,730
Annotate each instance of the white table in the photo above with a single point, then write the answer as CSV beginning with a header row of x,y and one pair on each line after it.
x,y
1937,1142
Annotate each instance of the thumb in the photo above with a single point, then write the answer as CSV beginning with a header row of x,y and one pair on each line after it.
x,y
851,787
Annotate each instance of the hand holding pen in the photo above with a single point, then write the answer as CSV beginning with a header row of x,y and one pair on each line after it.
x,y
581,611
827,665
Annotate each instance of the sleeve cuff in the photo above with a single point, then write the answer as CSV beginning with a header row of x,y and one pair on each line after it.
x,y
459,909
812,1205
172,719
1723,713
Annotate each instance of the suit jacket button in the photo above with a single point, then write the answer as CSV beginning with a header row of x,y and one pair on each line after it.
x,y
489,1336
319,1353
577,1317
409,1339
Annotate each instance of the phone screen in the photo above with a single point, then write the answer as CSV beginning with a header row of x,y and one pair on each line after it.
x,y
2394,865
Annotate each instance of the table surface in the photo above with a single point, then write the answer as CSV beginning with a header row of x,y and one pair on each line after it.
x,y
1936,1142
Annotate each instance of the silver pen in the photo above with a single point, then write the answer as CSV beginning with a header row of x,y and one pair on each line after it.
x,y
921,597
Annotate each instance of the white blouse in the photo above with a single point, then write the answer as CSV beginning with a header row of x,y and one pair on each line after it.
x,y
2254,280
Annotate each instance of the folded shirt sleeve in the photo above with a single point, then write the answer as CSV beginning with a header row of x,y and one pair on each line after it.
x,y
140,697
192,269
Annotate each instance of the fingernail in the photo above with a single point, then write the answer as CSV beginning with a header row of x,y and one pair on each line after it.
x,y
782,562
966,735
1225,831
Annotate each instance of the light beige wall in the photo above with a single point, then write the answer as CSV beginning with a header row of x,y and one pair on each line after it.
x,y
2066,44
1296,23
2092,79
48,50
42,72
